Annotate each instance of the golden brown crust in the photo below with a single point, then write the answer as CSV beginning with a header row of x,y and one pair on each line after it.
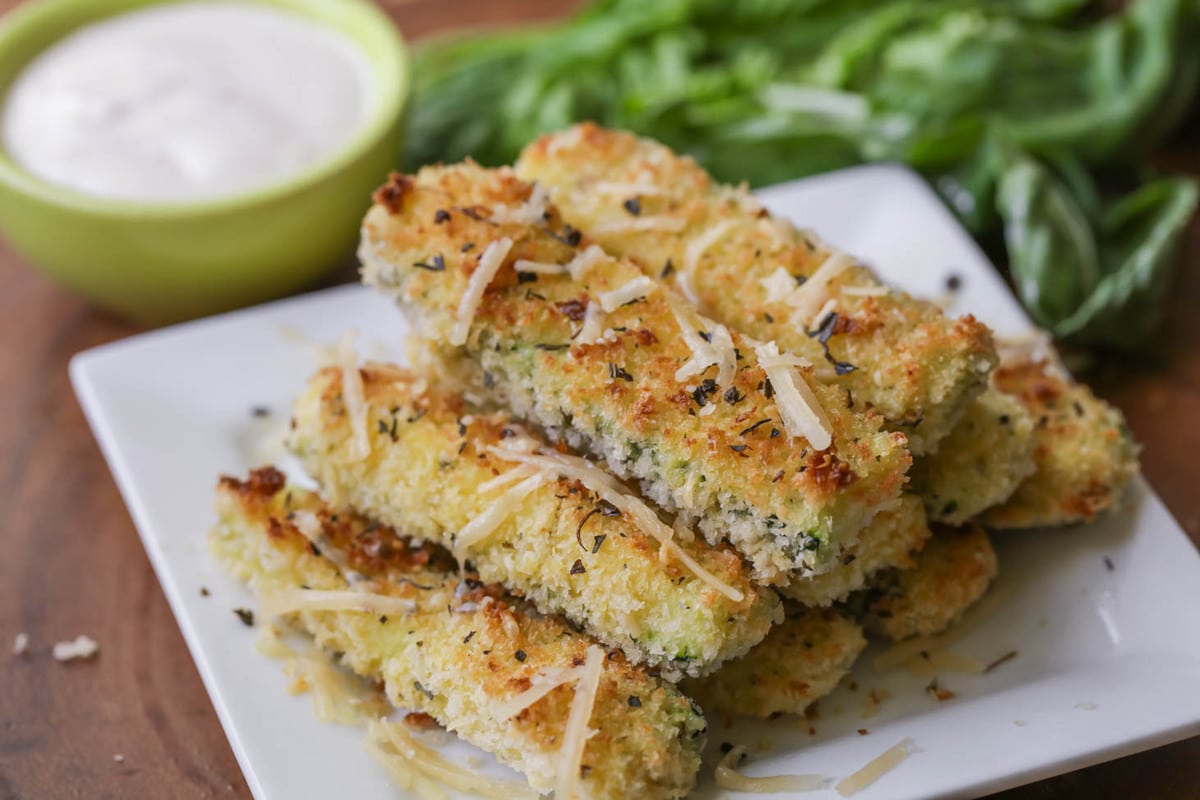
x,y
459,653
915,365
693,445
561,546
799,662
981,463
890,542
1083,453
952,572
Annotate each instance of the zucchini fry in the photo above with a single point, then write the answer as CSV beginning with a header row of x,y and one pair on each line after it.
x,y
889,542
981,463
457,650
739,439
1083,453
435,468
799,662
640,200
952,572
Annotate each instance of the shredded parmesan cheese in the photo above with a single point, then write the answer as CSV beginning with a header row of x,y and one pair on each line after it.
x,y
485,524
541,267
505,478
799,408
717,349
812,294
876,768
684,284
640,225
422,770
581,263
81,647
698,246
336,696
865,291
593,322
489,264
531,212
603,484
779,285
728,777
576,733
638,287
353,396
289,601
820,316
20,644
541,685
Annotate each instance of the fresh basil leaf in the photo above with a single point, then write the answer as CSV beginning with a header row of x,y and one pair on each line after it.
x,y
1140,237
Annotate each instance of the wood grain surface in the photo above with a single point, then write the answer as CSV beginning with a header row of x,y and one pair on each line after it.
x,y
72,563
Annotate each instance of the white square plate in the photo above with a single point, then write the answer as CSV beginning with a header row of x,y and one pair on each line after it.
x,y
1108,658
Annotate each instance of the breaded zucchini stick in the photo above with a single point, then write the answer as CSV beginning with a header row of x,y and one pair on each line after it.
x,y
889,542
800,661
435,468
740,439
759,274
459,651
981,463
1084,455
952,572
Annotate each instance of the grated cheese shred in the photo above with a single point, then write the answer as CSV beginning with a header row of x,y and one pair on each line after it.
x,y
700,245
489,264
420,769
727,777
638,287
876,768
812,294
799,408
779,285
576,733
719,351
542,684
825,310
486,523
584,261
593,325
603,484
81,647
290,601
531,212
353,395
865,291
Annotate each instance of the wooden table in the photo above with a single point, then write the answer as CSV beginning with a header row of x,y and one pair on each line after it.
x,y
72,562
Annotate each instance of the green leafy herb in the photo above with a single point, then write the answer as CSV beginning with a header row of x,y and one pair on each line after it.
x,y
1007,106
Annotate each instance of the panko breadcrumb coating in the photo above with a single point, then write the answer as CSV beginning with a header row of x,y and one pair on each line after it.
x,y
712,442
464,650
980,464
638,199
800,661
562,546
1084,455
953,571
889,542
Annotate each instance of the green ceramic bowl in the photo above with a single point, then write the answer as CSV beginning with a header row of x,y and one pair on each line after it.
x,y
160,263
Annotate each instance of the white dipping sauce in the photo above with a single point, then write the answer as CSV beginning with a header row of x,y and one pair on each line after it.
x,y
188,101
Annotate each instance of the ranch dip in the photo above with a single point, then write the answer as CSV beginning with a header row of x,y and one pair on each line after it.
x,y
187,101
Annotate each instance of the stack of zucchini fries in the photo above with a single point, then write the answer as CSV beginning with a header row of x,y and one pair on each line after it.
x,y
665,455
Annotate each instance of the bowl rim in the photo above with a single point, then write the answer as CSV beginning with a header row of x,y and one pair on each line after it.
x,y
391,68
